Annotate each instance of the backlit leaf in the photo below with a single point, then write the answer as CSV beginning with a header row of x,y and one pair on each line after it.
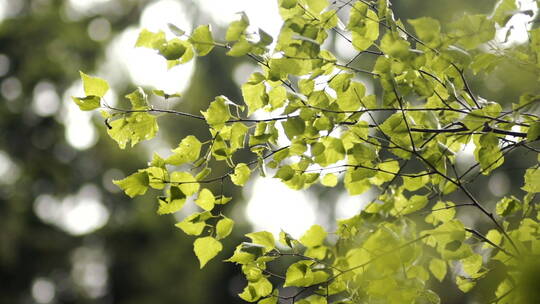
x,y
241,174
206,248
263,238
187,151
195,223
94,86
314,236
218,112
224,227
87,103
135,184
202,40
206,199
438,268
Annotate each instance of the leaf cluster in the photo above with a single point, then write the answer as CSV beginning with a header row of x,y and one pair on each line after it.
x,y
403,141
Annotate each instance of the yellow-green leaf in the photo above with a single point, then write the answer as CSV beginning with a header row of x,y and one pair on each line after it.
x,y
314,236
224,227
195,223
94,86
264,238
135,184
206,199
438,268
186,182
173,203
206,248
329,180
187,151
241,174
218,112
202,40
87,103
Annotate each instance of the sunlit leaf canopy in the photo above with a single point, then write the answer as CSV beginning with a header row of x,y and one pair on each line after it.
x,y
326,127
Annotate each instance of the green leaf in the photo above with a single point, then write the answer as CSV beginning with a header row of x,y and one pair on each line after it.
x,y
494,236
507,206
206,199
206,248
314,236
256,289
472,30
415,183
428,30
285,173
388,170
150,40
176,30
293,127
173,203
286,239
135,184
485,62
224,227
269,300
316,6
395,46
236,28
157,176
263,238
240,48
254,95
173,49
238,135
87,103
203,174
134,127
187,151
284,66
299,274
195,223
415,203
352,98
240,256
465,284
313,299
202,40
264,38
356,180
438,268
504,11
442,212
241,174
532,176
329,180
487,152
138,99
186,182
277,97
364,26
94,86
162,93
332,151
448,232
472,264
534,131
218,112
